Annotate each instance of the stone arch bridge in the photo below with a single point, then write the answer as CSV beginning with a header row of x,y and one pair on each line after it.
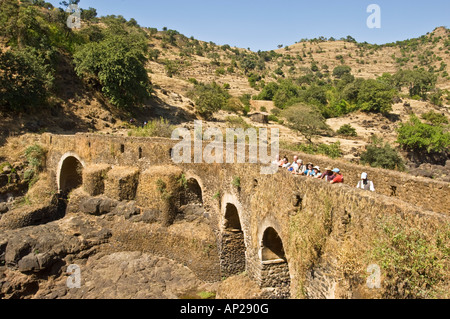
x,y
256,218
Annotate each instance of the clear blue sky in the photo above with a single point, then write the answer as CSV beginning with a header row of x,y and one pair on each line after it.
x,y
264,24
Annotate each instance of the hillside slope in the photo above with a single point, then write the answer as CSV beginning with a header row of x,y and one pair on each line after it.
x,y
176,65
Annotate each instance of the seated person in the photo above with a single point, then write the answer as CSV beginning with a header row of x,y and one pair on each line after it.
x,y
292,166
286,163
282,162
317,173
301,168
327,175
309,170
337,177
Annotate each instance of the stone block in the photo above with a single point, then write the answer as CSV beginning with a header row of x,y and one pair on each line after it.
x,y
94,179
160,188
121,183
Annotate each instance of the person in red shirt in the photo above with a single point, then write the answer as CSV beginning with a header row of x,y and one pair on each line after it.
x,y
337,177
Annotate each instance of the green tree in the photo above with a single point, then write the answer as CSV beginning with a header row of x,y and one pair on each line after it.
x,y
421,137
248,63
435,118
375,96
118,65
268,92
380,154
418,82
88,14
306,120
287,91
341,70
209,98
24,79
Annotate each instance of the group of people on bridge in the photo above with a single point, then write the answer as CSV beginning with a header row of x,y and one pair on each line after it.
x,y
332,176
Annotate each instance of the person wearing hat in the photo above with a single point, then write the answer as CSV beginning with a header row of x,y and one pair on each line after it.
x,y
337,176
317,173
365,183
327,175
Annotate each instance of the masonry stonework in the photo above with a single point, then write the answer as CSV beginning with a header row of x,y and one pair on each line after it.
x,y
317,223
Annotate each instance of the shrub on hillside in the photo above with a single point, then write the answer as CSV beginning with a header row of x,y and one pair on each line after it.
x,y
347,130
209,98
375,96
24,79
341,70
435,118
414,265
331,150
155,128
382,155
306,120
423,138
118,65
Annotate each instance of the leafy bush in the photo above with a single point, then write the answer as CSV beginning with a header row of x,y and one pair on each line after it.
x,y
234,105
155,128
417,81
307,120
341,70
347,130
35,155
375,96
209,98
421,137
414,266
237,122
236,182
436,98
171,67
268,92
331,150
435,118
286,93
118,65
24,79
382,155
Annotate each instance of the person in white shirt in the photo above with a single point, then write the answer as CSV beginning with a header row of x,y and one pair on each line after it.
x,y
365,183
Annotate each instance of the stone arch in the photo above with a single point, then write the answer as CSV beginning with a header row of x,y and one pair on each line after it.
x,y
232,242
272,246
274,271
194,189
69,173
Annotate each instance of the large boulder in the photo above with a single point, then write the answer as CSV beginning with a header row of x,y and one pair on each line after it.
x,y
97,206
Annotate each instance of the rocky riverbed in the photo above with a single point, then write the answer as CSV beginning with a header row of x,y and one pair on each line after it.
x,y
116,254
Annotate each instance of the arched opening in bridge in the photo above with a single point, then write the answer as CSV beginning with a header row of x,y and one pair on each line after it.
x,y
232,257
272,246
274,266
194,191
232,221
71,175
